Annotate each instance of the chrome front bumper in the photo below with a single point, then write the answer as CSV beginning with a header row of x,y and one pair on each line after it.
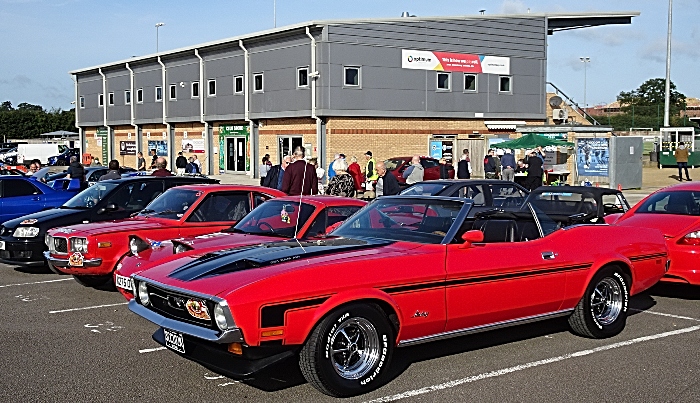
x,y
59,262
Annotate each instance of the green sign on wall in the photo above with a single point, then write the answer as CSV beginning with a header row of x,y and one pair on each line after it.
x,y
103,137
230,131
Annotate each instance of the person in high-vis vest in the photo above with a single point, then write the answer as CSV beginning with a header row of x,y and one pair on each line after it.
x,y
371,174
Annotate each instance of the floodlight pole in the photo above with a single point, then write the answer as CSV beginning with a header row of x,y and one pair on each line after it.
x,y
158,25
585,61
667,100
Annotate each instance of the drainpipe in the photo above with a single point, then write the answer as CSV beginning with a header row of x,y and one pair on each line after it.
x,y
170,137
320,127
77,108
104,113
131,108
252,127
209,142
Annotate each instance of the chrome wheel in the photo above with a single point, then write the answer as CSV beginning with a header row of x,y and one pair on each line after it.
x,y
606,301
355,348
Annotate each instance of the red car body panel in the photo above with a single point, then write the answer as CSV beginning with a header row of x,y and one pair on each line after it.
x,y
150,228
429,173
201,245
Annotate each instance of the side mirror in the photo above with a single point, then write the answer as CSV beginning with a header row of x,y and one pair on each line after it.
x,y
108,208
471,237
332,227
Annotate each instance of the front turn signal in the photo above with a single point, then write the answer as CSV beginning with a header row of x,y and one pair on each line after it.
x,y
235,348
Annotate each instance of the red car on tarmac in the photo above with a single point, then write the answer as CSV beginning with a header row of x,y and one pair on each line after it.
x,y
403,270
273,221
675,211
431,166
93,250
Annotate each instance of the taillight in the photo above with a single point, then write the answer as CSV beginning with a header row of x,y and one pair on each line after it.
x,y
692,239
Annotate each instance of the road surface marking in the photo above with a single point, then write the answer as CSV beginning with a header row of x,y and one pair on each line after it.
x,y
88,307
150,350
504,371
665,314
36,282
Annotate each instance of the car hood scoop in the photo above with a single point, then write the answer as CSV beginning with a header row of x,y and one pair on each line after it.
x,y
267,254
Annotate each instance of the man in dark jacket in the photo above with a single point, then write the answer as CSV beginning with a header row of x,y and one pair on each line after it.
x,y
180,163
534,171
508,166
389,181
490,165
113,172
161,168
275,175
300,177
76,171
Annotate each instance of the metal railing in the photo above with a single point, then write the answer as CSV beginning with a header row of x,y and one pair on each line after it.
x,y
575,105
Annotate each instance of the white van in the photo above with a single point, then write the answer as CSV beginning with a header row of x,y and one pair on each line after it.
x,y
28,152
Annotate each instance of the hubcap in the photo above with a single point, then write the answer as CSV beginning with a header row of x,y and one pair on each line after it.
x,y
606,301
355,348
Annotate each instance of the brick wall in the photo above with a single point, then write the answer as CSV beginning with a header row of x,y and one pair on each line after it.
x,y
271,129
123,133
156,132
194,131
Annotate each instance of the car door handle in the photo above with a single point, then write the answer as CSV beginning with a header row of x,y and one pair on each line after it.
x,y
548,255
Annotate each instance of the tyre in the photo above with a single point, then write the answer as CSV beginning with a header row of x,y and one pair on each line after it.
x,y
602,312
349,351
93,281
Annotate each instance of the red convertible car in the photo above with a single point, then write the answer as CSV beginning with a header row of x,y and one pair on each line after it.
x,y
272,221
675,211
401,271
90,252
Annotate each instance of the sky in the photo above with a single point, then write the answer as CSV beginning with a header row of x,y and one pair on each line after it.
x,y
42,40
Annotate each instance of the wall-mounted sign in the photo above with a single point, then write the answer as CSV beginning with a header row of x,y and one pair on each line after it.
x,y
161,147
193,145
127,148
444,61
592,156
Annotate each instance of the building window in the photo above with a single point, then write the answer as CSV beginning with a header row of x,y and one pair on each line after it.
x,y
211,88
127,97
303,77
159,94
173,92
82,102
195,89
351,76
100,100
444,81
505,84
110,98
470,83
238,84
258,82
139,96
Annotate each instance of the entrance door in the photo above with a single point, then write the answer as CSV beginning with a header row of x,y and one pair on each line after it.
x,y
240,154
235,154
287,145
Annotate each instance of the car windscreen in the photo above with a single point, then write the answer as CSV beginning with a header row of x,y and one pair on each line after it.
x,y
172,204
90,196
403,219
424,189
682,202
568,203
275,218
393,163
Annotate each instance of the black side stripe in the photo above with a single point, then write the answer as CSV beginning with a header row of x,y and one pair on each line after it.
x,y
472,280
647,257
273,315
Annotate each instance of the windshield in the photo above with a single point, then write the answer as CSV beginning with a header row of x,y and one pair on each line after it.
x,y
567,203
90,196
686,202
403,219
172,204
393,163
275,218
424,189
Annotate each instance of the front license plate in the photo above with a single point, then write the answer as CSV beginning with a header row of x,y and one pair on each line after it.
x,y
2,245
174,341
122,282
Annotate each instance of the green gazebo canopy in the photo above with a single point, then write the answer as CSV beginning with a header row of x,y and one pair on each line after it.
x,y
532,140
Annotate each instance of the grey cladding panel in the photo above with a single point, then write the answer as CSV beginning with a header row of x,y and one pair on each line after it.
x,y
148,80
89,86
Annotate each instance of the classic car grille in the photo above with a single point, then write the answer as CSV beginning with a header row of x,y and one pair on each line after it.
x,y
172,305
60,245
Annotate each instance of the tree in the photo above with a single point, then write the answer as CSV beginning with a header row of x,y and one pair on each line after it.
x,y
29,107
6,106
29,121
649,97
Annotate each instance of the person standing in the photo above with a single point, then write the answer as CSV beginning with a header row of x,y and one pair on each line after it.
x,y
356,172
276,174
320,173
140,162
370,171
390,185
415,172
490,165
191,167
331,171
342,183
508,166
681,155
265,167
199,164
180,164
534,171
444,169
113,172
161,168
300,177
464,166
76,171
154,157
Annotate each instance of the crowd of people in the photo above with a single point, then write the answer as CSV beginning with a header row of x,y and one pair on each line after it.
x,y
502,165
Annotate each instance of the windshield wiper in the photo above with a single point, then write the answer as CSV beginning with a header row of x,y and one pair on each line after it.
x,y
147,211
164,212
234,230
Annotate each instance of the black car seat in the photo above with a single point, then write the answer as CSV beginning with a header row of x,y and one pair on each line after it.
x,y
497,230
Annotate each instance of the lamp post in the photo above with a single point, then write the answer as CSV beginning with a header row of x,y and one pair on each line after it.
x,y
585,60
158,25
667,89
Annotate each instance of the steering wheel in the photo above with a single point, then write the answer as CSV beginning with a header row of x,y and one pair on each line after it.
x,y
263,223
612,208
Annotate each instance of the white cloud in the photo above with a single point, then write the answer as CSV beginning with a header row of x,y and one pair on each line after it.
x,y
656,50
513,7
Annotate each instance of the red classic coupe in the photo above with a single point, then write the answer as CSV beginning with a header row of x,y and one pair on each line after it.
x,y
272,221
90,252
401,271
675,211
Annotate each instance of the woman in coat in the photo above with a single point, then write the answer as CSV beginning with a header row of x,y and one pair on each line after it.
x,y
356,172
342,184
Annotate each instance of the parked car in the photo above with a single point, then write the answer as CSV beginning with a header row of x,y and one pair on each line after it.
x,y
24,237
20,195
397,165
485,193
28,152
578,204
9,156
90,252
63,159
93,174
675,211
266,223
401,271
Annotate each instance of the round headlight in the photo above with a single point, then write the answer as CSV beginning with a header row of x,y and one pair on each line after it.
x,y
180,248
143,294
133,247
220,317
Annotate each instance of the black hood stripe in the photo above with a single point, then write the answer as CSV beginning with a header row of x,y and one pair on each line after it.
x,y
267,254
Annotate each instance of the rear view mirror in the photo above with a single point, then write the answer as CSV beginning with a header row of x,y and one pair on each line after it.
x,y
108,208
471,237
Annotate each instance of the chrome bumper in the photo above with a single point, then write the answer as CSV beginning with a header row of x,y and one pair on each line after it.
x,y
229,336
58,262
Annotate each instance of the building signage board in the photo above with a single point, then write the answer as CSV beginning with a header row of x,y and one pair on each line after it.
x,y
160,146
462,62
127,148
193,145
592,156
229,131
102,135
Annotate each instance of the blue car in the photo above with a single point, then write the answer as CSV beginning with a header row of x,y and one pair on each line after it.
x,y
21,195
63,159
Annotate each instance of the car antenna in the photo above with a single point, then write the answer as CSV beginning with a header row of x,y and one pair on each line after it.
x,y
301,196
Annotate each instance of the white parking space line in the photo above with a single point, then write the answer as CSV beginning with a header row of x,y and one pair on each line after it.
x,y
36,282
668,315
150,350
504,371
88,307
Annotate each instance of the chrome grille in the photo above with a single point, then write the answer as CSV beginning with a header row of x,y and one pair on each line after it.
x,y
60,245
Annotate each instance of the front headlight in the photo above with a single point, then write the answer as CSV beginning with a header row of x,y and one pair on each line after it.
x,y
26,232
47,240
220,317
137,245
180,248
79,245
143,294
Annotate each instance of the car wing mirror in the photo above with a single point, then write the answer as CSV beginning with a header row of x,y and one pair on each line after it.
x,y
332,227
471,237
108,208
